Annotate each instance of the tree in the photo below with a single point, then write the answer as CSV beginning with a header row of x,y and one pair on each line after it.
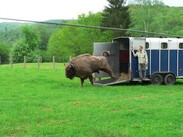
x,y
75,41
116,15
45,32
27,46
146,15
4,53
30,36
173,20
44,36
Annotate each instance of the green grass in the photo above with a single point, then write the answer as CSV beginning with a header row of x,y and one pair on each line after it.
x,y
42,102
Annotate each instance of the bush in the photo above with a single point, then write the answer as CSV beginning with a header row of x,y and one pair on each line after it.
x,y
21,49
4,53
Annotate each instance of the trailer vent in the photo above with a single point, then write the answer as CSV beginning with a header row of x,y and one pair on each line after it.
x,y
147,45
181,45
164,45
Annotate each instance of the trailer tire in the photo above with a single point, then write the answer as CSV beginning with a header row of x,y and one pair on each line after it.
x,y
169,79
156,79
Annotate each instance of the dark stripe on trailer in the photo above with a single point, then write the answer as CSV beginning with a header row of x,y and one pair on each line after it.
x,y
134,62
154,61
164,60
148,71
180,62
173,61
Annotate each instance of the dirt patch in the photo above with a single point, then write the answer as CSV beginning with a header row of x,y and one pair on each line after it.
x,y
46,109
138,97
38,124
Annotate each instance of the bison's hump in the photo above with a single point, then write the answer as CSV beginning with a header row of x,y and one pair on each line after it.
x,y
84,55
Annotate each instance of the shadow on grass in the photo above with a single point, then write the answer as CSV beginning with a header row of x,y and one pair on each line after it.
x,y
144,83
134,83
179,82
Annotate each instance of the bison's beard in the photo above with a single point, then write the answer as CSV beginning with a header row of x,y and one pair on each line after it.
x,y
71,77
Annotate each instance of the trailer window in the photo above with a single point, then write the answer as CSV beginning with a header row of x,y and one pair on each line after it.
x,y
147,45
164,45
181,45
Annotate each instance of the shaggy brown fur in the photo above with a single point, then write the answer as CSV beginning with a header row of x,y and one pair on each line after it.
x,y
83,66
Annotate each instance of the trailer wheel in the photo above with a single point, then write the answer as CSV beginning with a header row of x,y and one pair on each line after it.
x,y
169,79
156,79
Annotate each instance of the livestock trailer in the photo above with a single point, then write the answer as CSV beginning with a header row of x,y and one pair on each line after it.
x,y
165,57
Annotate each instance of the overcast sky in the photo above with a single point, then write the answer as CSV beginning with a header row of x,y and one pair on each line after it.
x,y
40,10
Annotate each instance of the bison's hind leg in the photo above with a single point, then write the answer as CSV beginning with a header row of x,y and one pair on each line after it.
x,y
91,79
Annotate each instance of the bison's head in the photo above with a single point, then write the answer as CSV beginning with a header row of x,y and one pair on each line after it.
x,y
69,71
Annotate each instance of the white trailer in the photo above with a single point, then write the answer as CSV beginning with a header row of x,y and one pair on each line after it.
x,y
165,57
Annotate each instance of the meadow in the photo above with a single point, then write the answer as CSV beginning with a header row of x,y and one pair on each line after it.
x,y
42,102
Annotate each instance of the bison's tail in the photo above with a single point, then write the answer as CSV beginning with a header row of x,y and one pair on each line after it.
x,y
107,52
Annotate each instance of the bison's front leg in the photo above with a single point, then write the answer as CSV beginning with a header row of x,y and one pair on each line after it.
x,y
82,81
91,80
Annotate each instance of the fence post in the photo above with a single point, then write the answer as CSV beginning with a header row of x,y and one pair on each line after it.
x,y
38,62
0,60
24,61
70,58
11,62
54,62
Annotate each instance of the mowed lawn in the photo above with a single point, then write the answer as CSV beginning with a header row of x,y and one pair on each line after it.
x,y
42,102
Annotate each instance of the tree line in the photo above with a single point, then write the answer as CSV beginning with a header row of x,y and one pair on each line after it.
x,y
47,41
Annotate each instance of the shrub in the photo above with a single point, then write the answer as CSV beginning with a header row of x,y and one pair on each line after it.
x,y
4,53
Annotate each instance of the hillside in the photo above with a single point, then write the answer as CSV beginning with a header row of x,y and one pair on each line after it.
x,y
7,26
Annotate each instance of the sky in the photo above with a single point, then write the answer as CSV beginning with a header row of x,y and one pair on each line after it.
x,y
41,10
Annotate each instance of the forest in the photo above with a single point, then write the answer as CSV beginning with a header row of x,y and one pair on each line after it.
x,y
30,40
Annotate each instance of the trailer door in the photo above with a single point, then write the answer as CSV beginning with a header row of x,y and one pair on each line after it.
x,y
113,59
135,43
180,62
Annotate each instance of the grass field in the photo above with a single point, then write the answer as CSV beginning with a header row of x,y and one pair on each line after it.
x,y
42,102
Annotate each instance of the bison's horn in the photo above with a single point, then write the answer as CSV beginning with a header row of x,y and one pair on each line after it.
x,y
71,65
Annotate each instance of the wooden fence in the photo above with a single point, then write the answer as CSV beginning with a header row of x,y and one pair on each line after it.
x,y
38,61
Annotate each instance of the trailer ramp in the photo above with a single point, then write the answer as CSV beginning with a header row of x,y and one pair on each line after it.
x,y
109,82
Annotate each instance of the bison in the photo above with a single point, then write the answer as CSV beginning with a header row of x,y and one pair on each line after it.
x,y
83,66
